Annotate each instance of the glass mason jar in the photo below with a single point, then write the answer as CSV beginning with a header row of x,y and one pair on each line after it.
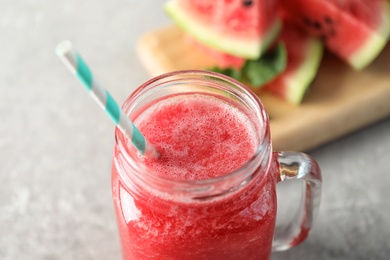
x,y
227,217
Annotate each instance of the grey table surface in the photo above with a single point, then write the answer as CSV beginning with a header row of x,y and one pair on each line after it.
x,y
56,144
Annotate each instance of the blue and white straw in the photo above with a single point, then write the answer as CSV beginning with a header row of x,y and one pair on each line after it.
x,y
79,68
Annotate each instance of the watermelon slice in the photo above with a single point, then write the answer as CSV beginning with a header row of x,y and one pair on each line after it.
x,y
222,60
356,31
304,54
243,28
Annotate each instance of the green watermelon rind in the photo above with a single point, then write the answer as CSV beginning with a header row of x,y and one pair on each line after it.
x,y
299,81
245,48
374,44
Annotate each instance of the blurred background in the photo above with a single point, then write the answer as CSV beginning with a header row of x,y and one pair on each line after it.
x,y
56,144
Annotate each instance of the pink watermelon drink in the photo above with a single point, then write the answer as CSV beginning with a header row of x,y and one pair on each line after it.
x,y
211,193
199,137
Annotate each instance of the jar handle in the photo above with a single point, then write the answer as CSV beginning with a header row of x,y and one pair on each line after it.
x,y
295,165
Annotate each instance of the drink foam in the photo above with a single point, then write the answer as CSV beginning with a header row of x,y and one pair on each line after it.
x,y
198,136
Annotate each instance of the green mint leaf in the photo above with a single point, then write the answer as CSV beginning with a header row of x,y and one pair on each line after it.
x,y
259,72
272,63
231,72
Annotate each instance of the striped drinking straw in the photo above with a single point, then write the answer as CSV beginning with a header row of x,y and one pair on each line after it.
x,y
79,68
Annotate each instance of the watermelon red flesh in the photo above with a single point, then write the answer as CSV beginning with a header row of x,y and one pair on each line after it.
x,y
222,60
356,31
229,26
304,55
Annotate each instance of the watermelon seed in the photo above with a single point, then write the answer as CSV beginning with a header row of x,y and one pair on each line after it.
x,y
317,25
247,3
307,21
314,24
328,20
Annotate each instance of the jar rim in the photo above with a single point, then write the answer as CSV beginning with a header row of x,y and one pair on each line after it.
x,y
200,187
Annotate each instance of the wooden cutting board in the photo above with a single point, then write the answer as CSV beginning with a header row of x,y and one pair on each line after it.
x,y
339,101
